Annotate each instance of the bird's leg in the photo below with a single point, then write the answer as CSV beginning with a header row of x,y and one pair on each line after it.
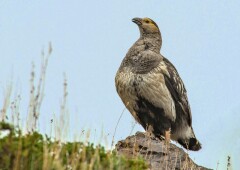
x,y
167,136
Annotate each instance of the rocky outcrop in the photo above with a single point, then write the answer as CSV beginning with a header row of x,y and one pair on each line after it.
x,y
158,154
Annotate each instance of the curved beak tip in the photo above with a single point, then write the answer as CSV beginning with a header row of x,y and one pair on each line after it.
x,y
137,21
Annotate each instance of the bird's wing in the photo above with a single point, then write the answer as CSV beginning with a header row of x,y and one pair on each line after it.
x,y
150,86
177,89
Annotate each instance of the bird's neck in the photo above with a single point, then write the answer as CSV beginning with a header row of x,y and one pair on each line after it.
x,y
152,42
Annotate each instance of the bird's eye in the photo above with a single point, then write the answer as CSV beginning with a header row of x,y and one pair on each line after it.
x,y
147,21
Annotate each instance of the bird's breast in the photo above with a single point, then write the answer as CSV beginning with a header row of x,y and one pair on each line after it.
x,y
151,86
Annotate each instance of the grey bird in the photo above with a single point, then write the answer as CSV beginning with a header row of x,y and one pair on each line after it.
x,y
152,90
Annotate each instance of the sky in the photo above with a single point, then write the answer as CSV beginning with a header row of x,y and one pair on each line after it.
x,y
89,41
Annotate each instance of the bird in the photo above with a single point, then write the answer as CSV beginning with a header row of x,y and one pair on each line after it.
x,y
152,90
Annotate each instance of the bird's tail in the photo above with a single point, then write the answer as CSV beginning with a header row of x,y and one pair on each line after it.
x,y
190,144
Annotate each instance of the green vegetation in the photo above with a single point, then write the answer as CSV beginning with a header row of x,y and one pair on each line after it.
x,y
34,151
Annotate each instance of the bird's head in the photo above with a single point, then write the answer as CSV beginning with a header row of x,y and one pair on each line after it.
x,y
146,26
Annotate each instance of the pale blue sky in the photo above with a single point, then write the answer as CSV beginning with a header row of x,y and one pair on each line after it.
x,y
90,39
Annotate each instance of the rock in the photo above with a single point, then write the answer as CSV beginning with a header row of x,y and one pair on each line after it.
x,y
158,154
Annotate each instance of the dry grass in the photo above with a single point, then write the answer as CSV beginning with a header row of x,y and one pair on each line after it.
x,y
115,130
37,92
6,103
34,151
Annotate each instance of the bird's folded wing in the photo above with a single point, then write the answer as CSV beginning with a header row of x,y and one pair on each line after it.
x,y
151,87
177,89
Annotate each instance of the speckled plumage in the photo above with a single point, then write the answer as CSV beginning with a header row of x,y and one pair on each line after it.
x,y
152,90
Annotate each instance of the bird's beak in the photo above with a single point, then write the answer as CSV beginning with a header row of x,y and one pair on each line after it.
x,y
137,21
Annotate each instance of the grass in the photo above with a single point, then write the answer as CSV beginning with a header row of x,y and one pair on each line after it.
x,y
33,151
27,149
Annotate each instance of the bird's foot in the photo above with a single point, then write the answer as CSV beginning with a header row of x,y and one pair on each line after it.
x,y
161,138
149,135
